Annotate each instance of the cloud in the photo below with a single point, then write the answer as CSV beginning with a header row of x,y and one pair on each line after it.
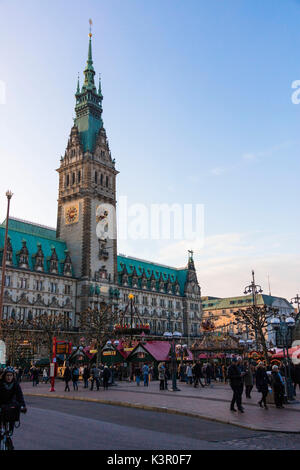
x,y
217,171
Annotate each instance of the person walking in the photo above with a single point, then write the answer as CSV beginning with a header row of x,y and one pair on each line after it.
x,y
138,374
34,376
161,375
197,371
262,384
86,375
296,377
95,377
146,375
209,373
75,377
45,376
248,379
235,376
19,375
278,387
67,377
189,374
106,376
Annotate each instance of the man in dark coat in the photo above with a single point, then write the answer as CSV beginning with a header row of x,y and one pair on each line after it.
x,y
296,377
235,376
197,371
106,376
67,377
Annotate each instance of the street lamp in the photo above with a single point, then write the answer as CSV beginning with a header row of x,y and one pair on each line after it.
x,y
296,301
172,336
9,195
253,289
284,327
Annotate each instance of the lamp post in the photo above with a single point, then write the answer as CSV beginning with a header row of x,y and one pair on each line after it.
x,y
296,301
246,345
253,289
284,327
173,336
9,195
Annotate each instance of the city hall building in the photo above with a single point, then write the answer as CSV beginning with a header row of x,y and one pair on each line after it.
x,y
76,266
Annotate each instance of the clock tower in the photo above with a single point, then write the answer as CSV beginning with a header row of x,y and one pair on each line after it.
x,y
87,192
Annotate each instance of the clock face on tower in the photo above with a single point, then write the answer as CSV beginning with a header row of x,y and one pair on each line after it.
x,y
71,214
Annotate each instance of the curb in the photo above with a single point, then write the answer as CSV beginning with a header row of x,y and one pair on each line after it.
x,y
160,410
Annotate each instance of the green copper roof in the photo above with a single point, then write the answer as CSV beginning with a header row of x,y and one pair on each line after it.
x,y
88,106
156,269
33,234
213,303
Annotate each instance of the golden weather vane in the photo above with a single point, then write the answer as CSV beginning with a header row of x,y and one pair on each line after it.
x,y
91,24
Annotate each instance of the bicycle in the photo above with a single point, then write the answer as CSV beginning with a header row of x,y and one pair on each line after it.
x,y
6,431
7,427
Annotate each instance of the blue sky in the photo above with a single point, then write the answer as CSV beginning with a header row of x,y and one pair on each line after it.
x,y
197,107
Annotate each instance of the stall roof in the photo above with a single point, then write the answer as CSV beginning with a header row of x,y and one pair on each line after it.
x,y
159,350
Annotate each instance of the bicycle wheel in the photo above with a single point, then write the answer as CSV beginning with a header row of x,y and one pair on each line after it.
x,y
3,444
9,444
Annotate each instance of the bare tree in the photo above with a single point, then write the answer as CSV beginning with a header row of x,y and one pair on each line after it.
x,y
45,327
12,333
256,319
97,324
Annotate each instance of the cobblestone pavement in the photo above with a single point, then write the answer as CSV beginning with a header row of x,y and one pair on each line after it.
x,y
209,403
266,442
95,426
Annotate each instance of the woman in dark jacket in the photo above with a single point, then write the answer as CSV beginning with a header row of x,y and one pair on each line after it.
x,y
67,378
11,393
278,387
262,384
106,376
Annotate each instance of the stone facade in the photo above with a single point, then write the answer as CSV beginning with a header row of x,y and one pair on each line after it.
x,y
168,298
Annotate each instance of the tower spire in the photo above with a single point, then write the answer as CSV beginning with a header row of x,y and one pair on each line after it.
x,y
89,104
89,71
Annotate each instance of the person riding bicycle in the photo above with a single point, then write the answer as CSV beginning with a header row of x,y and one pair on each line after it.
x,y
11,393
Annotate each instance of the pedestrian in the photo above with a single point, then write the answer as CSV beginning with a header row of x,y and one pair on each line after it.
x,y
45,376
189,374
106,376
262,384
161,375
296,377
197,371
167,376
248,379
224,373
19,375
95,371
146,375
34,376
75,377
86,375
235,376
138,374
278,387
67,377
209,373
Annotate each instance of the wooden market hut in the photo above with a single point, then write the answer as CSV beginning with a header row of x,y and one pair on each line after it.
x,y
220,347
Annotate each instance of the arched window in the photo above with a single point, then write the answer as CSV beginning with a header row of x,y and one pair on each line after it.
x,y
96,177
101,179
78,177
106,182
67,180
73,178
